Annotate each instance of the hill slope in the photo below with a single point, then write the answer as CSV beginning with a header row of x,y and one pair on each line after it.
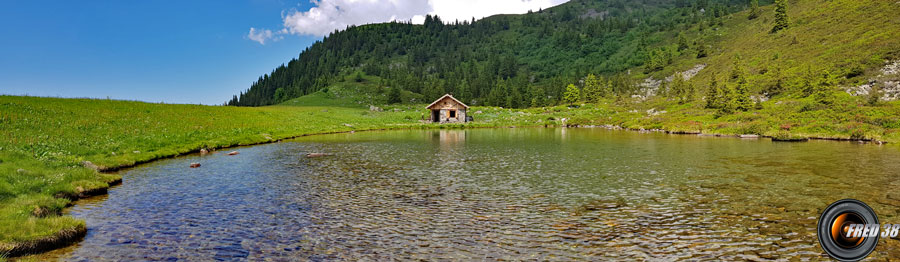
x,y
525,57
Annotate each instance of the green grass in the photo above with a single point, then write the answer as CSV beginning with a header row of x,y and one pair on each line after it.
x,y
46,140
850,39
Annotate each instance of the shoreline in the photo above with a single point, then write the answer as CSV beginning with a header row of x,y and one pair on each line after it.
x,y
68,237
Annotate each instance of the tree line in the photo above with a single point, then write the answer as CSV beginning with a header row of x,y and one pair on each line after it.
x,y
505,60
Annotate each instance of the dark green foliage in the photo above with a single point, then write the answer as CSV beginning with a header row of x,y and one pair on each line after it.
x,y
742,100
781,18
729,101
682,42
714,94
543,50
754,9
701,51
394,96
280,95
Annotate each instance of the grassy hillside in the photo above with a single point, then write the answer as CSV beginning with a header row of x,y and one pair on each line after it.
x,y
484,62
849,39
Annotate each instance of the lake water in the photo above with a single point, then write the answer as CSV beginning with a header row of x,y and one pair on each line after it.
x,y
545,194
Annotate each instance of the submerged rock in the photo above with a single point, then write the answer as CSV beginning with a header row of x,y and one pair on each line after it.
x,y
233,153
311,155
195,165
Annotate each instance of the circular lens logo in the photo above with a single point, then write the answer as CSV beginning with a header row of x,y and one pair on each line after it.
x,y
848,230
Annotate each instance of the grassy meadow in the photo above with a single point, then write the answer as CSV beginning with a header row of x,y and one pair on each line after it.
x,y
45,142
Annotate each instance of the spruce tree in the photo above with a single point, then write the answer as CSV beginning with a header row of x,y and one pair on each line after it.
x,y
571,95
713,94
682,42
701,51
678,88
394,96
754,9
823,91
781,18
593,88
729,103
743,102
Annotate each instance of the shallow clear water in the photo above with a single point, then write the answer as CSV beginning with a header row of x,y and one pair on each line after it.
x,y
548,194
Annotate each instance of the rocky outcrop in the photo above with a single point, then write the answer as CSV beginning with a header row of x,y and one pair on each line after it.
x,y
650,86
887,82
90,165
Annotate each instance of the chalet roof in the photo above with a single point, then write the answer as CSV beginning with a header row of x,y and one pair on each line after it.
x,y
446,96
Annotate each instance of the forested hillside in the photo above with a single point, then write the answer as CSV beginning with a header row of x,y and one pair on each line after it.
x,y
505,60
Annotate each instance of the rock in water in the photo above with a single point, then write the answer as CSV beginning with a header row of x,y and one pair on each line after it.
x,y
311,155
195,165
233,153
203,151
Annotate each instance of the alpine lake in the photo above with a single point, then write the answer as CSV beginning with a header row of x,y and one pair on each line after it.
x,y
490,194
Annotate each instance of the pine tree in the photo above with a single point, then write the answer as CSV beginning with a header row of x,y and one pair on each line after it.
x,y
823,91
394,96
781,18
537,96
682,42
701,50
571,95
741,95
678,88
593,88
754,9
729,103
743,102
713,94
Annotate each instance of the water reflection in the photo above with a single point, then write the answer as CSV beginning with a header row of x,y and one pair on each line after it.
x,y
543,194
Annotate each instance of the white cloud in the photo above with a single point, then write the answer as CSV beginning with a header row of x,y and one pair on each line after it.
x,y
263,35
330,15
451,10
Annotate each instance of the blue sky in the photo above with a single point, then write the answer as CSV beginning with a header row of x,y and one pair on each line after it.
x,y
197,52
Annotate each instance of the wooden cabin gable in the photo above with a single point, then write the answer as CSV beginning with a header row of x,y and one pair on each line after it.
x,y
448,110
